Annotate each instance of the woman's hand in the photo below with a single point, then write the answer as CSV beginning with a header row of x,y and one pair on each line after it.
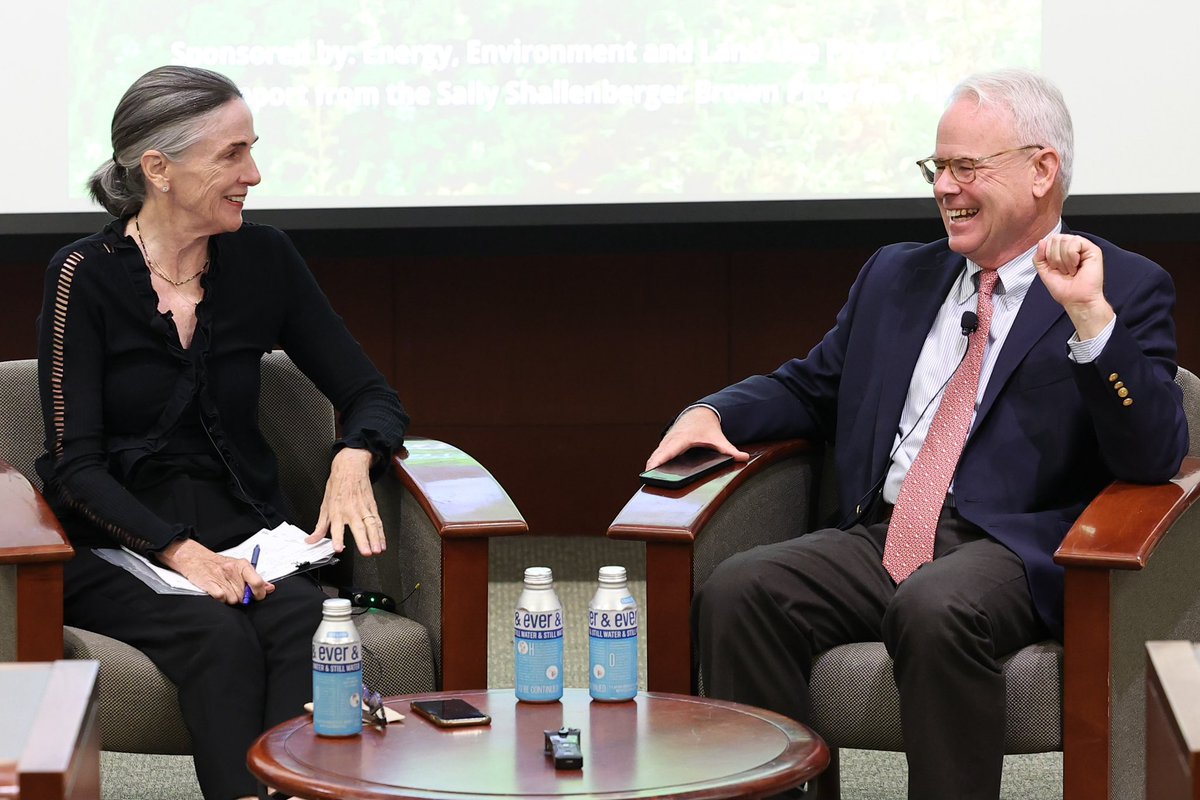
x,y
350,503
222,577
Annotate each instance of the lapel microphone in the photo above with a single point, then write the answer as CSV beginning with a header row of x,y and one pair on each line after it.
x,y
970,323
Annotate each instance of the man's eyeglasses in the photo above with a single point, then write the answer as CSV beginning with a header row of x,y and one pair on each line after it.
x,y
963,169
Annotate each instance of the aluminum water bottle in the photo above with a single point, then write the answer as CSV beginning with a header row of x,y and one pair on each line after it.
x,y
538,639
337,672
613,638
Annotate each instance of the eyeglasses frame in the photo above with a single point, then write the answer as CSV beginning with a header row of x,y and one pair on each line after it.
x,y
374,713
931,175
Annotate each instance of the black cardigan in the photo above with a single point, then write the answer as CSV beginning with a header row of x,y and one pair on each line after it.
x,y
114,378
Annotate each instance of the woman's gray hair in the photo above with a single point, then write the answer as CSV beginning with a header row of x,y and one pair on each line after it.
x,y
166,110
1038,109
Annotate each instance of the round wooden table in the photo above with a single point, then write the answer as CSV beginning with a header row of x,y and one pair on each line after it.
x,y
657,745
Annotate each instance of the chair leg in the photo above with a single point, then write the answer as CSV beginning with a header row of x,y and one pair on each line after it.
x,y
828,784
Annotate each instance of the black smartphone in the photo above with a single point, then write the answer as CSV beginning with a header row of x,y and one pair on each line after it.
x,y
452,713
688,466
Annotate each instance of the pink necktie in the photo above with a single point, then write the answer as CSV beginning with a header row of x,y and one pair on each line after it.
x,y
914,520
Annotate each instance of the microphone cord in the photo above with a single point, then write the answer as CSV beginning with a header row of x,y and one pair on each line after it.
x,y
970,324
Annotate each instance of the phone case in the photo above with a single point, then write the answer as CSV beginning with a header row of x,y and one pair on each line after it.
x,y
442,722
686,468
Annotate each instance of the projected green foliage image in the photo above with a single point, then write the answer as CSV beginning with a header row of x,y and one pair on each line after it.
x,y
560,101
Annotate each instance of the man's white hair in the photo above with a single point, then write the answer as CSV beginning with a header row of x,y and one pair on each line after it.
x,y
1039,112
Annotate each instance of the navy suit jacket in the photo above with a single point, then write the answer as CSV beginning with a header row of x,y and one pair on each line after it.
x,y
1049,434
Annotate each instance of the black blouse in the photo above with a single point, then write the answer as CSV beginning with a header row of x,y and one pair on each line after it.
x,y
117,387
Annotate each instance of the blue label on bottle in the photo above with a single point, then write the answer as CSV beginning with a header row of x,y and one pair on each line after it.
x,y
613,653
337,688
538,653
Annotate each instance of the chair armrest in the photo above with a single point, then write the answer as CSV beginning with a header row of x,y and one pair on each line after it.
x,y
459,507
1123,525
461,497
689,531
32,551
1132,564
677,515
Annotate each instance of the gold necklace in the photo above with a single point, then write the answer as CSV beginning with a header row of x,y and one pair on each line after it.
x,y
155,268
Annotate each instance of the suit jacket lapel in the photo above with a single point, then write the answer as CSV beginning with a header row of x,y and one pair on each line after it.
x,y
1038,312
914,312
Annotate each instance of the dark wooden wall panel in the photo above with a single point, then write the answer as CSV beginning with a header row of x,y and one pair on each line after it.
x,y
20,302
558,365
558,372
783,303
1182,260
553,340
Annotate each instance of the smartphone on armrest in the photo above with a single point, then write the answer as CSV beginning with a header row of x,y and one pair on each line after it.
x,y
687,467
452,713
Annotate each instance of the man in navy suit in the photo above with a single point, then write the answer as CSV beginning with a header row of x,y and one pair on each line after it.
x,y
1075,389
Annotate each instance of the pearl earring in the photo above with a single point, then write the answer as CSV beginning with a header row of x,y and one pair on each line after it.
x,y
165,187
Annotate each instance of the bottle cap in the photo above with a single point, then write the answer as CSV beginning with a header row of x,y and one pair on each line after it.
x,y
612,575
336,607
539,576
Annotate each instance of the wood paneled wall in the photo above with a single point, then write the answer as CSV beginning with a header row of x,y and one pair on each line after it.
x,y
557,356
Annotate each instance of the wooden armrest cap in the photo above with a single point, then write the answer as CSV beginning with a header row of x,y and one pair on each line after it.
x,y
29,532
459,495
666,515
1122,526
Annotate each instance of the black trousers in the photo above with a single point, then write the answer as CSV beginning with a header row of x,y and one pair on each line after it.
x,y
239,669
764,616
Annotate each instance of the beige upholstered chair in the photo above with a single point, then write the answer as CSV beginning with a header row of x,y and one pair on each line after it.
x,y
1085,697
439,506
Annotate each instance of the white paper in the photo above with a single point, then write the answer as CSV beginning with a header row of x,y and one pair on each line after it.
x,y
281,552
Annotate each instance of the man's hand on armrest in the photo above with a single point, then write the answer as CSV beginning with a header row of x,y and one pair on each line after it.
x,y
697,427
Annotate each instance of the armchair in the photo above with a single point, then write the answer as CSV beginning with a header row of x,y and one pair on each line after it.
x,y
1083,697
438,505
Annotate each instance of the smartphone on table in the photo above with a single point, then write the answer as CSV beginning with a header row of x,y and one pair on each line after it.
x,y
453,712
685,468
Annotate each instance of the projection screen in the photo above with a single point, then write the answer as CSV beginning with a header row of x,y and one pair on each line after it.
x,y
398,109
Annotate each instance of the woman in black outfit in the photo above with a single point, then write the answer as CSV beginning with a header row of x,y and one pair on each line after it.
x,y
149,344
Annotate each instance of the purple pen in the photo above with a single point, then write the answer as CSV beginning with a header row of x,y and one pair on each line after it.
x,y
254,563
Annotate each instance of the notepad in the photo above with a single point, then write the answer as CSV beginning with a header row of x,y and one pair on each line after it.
x,y
282,552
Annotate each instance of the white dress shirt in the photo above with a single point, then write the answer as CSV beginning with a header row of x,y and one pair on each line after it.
x,y
946,345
